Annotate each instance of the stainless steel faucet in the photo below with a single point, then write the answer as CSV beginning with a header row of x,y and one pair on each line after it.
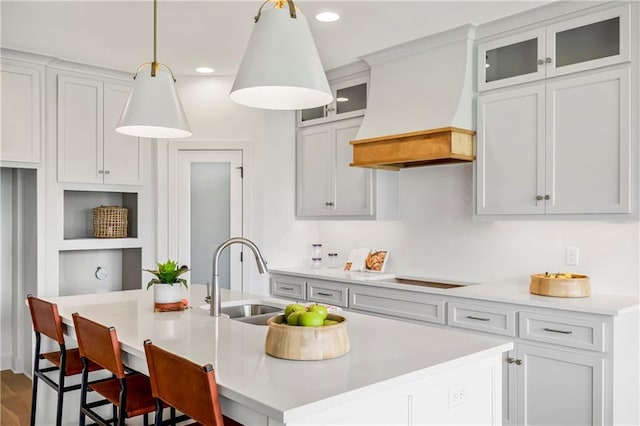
x,y
214,299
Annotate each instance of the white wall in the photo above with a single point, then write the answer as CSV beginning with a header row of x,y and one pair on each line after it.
x,y
436,234
6,240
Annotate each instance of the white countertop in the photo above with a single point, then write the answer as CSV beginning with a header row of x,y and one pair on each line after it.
x,y
383,352
505,292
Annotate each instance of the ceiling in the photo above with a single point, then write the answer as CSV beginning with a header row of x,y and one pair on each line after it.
x,y
118,34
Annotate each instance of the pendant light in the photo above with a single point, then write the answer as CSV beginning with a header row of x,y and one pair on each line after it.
x,y
281,68
153,109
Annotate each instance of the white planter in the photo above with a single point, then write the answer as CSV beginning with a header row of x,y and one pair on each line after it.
x,y
167,293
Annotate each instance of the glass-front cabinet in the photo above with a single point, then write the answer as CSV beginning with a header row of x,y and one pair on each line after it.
x,y
349,100
586,42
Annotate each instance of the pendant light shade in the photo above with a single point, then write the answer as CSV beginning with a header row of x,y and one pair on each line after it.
x,y
281,68
153,109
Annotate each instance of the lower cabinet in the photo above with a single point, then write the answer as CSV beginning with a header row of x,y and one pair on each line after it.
x,y
398,303
567,367
289,287
555,387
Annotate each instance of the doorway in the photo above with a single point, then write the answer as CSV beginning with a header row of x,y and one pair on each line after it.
x,y
210,212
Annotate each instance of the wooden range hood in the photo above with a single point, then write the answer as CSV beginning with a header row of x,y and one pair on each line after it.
x,y
444,145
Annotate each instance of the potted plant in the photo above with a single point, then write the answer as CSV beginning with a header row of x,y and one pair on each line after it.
x,y
166,276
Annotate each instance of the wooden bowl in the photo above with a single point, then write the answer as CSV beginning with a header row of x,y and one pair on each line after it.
x,y
307,343
576,286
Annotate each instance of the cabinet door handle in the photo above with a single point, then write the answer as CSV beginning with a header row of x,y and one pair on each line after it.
x,y
558,331
287,288
106,172
547,197
540,61
328,204
325,294
100,172
518,362
539,197
510,360
548,60
478,318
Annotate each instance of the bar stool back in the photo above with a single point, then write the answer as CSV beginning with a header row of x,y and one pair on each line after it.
x,y
46,321
190,388
130,394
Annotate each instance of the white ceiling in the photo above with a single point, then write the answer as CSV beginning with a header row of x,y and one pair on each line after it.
x,y
118,34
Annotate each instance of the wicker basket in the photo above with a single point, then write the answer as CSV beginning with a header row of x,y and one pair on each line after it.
x,y
109,222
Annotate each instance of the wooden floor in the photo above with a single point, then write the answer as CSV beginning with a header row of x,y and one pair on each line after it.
x,y
15,397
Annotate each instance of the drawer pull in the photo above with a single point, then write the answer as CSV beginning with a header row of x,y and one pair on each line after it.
x,y
287,288
558,331
478,318
325,294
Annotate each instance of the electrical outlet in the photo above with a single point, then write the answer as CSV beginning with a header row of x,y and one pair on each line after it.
x,y
456,395
573,254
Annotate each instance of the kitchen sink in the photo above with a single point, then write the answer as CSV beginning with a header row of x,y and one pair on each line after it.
x,y
257,314
424,283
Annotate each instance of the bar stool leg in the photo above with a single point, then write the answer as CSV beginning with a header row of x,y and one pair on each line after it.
x,y
34,390
158,412
63,369
83,391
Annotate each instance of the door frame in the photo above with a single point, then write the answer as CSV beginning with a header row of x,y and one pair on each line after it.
x,y
166,173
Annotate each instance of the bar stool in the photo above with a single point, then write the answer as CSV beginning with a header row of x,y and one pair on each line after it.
x,y
46,321
129,394
185,386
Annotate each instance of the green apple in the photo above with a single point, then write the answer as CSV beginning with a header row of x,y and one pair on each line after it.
x,y
310,319
293,308
294,317
320,309
329,322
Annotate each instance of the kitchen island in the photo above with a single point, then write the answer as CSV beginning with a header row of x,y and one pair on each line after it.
x,y
395,372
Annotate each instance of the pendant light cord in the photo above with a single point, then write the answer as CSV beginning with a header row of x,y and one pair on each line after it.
x,y
154,64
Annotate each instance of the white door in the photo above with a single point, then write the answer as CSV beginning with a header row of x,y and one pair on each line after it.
x,y
209,202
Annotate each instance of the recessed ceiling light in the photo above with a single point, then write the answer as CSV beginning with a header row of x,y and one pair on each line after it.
x,y
327,17
205,70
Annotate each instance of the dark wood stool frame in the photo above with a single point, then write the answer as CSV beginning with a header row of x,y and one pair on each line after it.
x,y
46,320
203,406
123,383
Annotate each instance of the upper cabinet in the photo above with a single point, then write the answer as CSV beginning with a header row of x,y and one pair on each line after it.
x,y
22,105
326,185
556,148
349,100
89,148
586,42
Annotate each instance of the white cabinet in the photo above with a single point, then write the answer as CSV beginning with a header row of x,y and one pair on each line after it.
x,y
349,100
559,148
325,184
21,105
555,387
585,42
89,148
289,287
398,303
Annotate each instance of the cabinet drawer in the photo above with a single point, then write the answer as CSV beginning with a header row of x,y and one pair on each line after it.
x,y
323,292
566,331
397,303
290,288
489,319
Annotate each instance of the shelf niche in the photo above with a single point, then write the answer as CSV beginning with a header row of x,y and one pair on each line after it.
x,y
78,268
78,211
